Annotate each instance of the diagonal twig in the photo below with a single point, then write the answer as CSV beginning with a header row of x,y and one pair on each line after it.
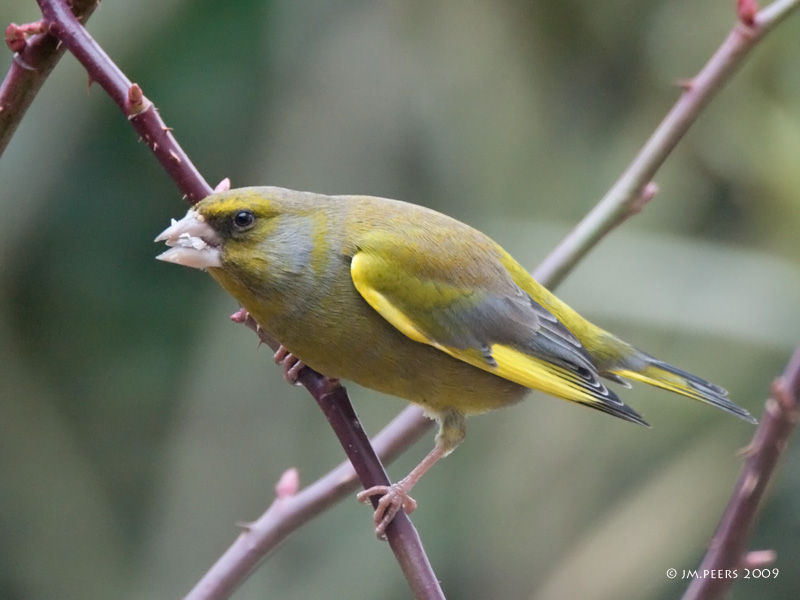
x,y
332,398
620,201
34,60
128,96
288,513
726,552
619,204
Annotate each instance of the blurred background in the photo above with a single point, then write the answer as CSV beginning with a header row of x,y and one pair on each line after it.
x,y
138,425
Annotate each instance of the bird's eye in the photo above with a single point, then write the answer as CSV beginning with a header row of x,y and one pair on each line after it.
x,y
244,220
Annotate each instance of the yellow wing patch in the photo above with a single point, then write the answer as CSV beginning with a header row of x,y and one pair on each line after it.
x,y
665,380
359,271
510,364
530,372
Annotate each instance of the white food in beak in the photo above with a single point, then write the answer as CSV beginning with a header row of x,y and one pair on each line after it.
x,y
193,242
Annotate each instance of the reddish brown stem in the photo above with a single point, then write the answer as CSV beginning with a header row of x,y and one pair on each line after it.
x,y
401,533
34,59
727,549
615,207
332,398
41,52
287,514
143,116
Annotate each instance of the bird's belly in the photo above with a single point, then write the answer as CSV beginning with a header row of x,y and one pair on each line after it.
x,y
335,332
366,349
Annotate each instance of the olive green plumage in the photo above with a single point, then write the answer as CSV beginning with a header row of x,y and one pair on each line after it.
x,y
410,302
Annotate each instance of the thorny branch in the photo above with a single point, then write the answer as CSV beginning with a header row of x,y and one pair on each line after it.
x,y
37,51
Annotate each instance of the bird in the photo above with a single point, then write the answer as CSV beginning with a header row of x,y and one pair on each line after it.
x,y
410,302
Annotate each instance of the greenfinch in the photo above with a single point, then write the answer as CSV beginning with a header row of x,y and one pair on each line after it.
x,y
410,302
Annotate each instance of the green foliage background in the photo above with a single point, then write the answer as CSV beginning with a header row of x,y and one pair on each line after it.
x,y
138,426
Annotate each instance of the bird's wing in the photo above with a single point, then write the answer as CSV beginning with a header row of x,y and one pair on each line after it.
x,y
479,316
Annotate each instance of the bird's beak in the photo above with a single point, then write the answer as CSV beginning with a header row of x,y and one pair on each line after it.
x,y
193,242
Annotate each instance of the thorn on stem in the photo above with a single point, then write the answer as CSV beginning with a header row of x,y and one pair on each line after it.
x,y
223,186
288,484
21,62
779,391
685,84
330,385
751,480
136,102
748,451
747,11
245,526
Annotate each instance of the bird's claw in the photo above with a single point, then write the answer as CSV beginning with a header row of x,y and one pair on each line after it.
x,y
393,497
290,364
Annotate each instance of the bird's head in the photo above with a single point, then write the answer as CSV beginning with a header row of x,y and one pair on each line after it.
x,y
220,227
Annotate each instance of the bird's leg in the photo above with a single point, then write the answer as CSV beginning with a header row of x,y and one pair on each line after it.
x,y
395,496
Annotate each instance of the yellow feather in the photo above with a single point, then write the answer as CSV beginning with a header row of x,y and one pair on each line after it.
x,y
665,380
359,268
527,370
510,364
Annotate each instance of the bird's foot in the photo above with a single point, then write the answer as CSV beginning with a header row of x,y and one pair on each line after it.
x,y
393,497
290,364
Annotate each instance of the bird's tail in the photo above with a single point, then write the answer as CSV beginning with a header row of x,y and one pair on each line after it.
x,y
665,376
